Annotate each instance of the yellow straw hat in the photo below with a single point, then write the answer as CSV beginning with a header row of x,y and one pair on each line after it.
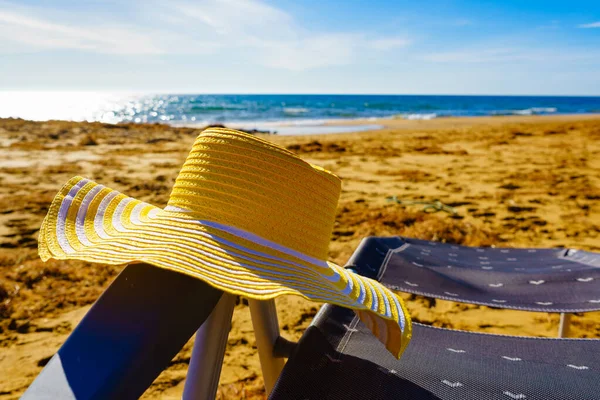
x,y
246,216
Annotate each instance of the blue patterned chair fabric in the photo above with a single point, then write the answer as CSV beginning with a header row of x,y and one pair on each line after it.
x,y
550,280
338,358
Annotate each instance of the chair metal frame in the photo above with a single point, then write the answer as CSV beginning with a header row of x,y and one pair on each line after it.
x,y
211,338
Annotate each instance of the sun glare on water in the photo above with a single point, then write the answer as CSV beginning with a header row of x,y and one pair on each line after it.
x,y
74,106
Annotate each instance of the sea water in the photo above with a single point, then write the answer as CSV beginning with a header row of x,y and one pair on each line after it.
x,y
286,114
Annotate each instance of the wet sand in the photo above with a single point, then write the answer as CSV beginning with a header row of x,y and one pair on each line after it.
x,y
514,181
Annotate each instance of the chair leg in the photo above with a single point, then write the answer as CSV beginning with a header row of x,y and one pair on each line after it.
x,y
204,370
563,327
266,330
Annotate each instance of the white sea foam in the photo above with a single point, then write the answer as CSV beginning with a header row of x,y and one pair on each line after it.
x,y
417,116
544,109
295,110
535,110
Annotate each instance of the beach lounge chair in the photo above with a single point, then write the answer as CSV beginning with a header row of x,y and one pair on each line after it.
x,y
547,280
337,358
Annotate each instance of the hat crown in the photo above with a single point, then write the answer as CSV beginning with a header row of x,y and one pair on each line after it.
x,y
241,181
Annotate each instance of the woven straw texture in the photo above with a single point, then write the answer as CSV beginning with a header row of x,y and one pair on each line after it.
x,y
245,216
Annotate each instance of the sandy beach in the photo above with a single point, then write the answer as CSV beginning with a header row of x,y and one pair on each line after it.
x,y
518,181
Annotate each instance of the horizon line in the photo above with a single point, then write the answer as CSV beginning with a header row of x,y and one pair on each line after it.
x,y
187,93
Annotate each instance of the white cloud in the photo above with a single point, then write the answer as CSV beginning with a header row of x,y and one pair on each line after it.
x,y
250,30
30,32
478,56
510,55
306,53
232,17
275,37
590,25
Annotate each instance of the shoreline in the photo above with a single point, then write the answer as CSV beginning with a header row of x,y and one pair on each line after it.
x,y
397,122
378,124
299,127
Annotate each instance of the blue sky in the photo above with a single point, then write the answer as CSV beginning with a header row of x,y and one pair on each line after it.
x,y
259,46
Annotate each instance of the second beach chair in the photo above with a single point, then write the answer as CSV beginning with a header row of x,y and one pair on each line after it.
x,y
544,280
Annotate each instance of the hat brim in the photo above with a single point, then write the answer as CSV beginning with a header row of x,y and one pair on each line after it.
x,y
91,222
